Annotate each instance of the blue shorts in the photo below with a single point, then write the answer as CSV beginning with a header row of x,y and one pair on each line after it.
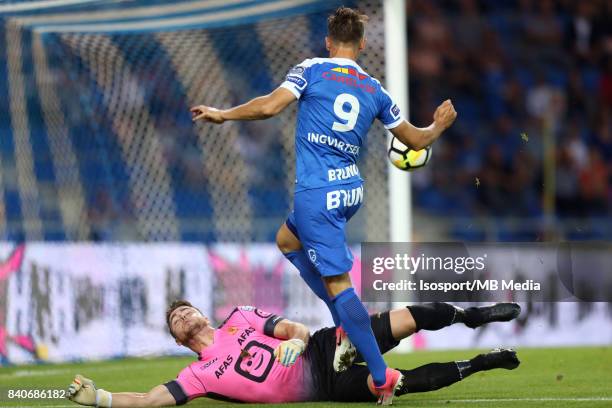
x,y
318,221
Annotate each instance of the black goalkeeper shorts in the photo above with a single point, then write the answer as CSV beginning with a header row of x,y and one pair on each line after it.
x,y
350,385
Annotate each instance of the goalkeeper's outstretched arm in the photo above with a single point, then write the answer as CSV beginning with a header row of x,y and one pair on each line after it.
x,y
296,337
419,138
83,391
262,107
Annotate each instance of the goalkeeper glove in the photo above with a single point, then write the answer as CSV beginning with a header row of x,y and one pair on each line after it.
x,y
288,351
83,391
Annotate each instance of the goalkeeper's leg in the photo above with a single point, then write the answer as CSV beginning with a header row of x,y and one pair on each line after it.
x,y
437,315
355,384
394,325
434,376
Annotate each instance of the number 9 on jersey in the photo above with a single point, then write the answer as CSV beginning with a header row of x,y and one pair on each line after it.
x,y
404,158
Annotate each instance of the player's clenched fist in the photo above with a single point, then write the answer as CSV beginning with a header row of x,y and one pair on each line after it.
x,y
206,113
83,391
445,115
288,351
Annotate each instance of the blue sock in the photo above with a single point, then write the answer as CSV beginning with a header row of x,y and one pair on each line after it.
x,y
356,322
313,279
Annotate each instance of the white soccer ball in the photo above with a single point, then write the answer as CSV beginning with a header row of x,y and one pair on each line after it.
x,y
404,158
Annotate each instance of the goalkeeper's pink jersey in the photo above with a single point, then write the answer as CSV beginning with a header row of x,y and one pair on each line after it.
x,y
240,364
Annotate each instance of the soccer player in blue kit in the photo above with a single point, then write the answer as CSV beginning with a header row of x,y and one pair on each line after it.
x,y
338,102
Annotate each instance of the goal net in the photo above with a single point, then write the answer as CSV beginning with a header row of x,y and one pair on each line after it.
x,y
97,140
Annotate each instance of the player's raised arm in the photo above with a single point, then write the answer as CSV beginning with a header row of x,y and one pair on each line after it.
x,y
261,107
83,391
419,138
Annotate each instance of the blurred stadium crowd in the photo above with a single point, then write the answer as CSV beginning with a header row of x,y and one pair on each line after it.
x,y
517,70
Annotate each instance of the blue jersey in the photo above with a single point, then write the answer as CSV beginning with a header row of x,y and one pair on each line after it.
x,y
338,102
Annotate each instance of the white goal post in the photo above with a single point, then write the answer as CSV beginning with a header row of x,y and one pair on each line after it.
x,y
396,72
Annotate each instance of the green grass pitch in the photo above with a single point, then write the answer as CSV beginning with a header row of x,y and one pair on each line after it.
x,y
562,377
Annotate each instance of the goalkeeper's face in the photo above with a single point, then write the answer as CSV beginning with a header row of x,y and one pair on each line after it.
x,y
186,322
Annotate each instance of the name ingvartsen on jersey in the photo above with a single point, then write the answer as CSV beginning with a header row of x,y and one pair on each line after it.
x,y
333,142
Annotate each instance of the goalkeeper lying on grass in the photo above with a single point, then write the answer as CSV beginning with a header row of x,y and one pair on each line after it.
x,y
256,356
